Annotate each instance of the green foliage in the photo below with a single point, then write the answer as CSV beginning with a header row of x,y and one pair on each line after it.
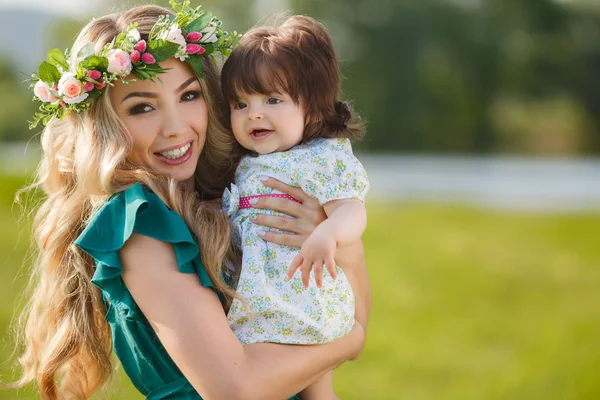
x,y
96,63
48,72
57,58
198,24
196,62
162,50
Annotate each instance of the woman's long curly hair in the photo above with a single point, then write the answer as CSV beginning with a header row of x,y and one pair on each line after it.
x,y
66,340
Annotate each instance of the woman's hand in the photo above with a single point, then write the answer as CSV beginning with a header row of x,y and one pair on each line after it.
x,y
306,216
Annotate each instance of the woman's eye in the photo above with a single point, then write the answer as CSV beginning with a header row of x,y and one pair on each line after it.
x,y
273,100
191,95
239,106
141,109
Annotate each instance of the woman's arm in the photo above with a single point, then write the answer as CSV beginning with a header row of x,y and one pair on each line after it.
x,y
189,320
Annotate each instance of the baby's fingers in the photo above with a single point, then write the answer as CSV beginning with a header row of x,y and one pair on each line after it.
x,y
330,264
296,262
318,271
305,268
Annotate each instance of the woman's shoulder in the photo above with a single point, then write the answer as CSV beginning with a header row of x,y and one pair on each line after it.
x,y
136,209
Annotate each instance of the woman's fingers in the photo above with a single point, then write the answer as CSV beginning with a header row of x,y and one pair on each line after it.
x,y
287,239
285,206
284,223
293,191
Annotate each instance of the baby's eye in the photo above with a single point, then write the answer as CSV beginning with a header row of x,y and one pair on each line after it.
x,y
239,106
191,95
141,109
273,100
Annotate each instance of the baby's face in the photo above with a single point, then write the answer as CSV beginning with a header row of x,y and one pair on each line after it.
x,y
267,123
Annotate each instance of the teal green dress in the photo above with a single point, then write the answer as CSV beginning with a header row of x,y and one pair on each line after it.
x,y
135,343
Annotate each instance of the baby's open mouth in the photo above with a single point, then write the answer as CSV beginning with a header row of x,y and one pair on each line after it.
x,y
260,133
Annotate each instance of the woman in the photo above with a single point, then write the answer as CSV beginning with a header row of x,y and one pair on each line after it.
x,y
123,177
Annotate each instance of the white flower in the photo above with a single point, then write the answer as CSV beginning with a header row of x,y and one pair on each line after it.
x,y
134,34
42,91
209,34
119,62
173,35
182,54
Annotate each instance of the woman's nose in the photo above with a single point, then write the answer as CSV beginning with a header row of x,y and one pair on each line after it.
x,y
174,124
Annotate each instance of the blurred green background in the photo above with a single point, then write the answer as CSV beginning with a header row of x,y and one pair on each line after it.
x,y
469,302
468,76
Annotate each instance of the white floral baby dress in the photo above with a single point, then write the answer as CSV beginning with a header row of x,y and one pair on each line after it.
x,y
279,310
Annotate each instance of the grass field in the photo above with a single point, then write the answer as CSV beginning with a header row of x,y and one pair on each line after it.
x,y
467,304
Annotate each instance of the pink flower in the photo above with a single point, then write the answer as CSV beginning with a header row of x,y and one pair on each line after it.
x,y
148,58
135,56
193,48
88,86
100,85
93,74
140,46
193,36
42,91
71,89
119,62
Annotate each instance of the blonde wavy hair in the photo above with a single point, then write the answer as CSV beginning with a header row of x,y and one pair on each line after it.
x,y
66,342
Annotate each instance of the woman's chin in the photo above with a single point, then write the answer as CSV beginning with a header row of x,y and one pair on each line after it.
x,y
182,176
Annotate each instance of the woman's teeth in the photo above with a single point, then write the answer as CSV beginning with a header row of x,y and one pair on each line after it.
x,y
175,153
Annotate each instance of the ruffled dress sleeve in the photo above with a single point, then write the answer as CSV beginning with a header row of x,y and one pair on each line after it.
x,y
136,209
329,171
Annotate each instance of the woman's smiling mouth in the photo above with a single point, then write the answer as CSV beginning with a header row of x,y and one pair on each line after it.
x,y
176,156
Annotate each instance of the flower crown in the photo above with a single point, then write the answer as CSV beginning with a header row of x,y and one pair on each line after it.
x,y
189,35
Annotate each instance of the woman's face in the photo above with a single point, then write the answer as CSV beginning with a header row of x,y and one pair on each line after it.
x,y
166,119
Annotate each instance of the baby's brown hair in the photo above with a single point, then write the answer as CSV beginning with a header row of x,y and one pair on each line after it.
x,y
297,57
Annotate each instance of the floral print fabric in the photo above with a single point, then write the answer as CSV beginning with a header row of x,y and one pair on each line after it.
x,y
275,309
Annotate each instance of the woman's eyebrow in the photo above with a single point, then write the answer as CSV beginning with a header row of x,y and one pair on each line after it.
x,y
140,94
185,84
154,95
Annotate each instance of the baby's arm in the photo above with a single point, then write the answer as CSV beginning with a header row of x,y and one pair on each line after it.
x,y
321,389
346,222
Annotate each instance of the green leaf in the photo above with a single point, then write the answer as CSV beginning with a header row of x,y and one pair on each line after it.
x,y
57,58
162,50
196,62
86,51
95,62
80,72
49,73
209,48
198,24
94,94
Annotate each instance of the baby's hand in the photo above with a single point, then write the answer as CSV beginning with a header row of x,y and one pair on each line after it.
x,y
318,250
